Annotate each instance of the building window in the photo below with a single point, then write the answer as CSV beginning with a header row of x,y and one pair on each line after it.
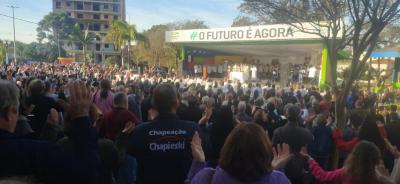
x,y
106,45
105,26
68,3
115,17
98,38
79,16
96,27
58,4
81,26
105,16
79,5
97,47
105,6
96,16
69,14
96,7
115,8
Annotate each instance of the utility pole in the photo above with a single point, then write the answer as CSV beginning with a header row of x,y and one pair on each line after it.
x,y
15,52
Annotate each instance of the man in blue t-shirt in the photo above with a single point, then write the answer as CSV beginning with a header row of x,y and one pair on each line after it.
x,y
162,146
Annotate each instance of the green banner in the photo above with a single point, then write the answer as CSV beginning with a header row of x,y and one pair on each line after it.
x,y
324,68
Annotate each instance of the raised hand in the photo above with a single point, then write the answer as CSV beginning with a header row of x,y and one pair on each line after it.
x,y
304,152
79,100
197,150
281,156
129,126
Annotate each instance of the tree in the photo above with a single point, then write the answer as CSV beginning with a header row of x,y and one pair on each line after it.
x,y
155,51
55,28
3,50
188,24
121,34
243,21
43,52
83,37
339,23
157,47
389,37
111,61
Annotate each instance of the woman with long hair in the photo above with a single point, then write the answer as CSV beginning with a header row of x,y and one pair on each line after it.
x,y
218,132
360,167
103,98
246,157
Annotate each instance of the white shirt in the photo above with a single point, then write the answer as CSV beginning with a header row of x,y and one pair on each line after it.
x,y
312,71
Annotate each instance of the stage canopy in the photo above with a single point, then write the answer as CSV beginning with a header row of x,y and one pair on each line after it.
x,y
265,43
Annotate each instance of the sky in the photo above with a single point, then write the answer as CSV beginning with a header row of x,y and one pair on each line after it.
x,y
142,13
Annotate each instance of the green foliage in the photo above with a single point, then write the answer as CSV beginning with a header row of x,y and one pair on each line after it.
x,y
188,24
54,27
84,38
44,52
155,51
121,33
3,51
389,37
112,60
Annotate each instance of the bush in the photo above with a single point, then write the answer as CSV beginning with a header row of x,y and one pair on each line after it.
x,y
112,60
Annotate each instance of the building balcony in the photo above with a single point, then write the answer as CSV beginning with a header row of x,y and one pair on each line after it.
x,y
98,1
91,11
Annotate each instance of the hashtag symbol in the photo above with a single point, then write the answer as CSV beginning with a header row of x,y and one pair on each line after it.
x,y
193,35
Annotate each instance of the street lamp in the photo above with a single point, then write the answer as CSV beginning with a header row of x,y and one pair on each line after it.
x,y
122,55
102,55
6,52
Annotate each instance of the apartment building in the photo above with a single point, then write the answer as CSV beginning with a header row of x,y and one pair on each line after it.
x,y
94,15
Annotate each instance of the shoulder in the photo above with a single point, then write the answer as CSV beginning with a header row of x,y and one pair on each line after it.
x,y
204,176
142,126
188,123
278,130
278,177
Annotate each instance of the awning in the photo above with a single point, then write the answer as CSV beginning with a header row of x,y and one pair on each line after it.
x,y
382,54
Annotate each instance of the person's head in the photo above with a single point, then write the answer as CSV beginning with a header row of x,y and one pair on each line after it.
x,y
270,107
360,164
293,113
120,100
247,153
356,120
242,107
369,131
9,104
48,86
258,117
221,128
165,98
321,119
105,86
36,87
211,102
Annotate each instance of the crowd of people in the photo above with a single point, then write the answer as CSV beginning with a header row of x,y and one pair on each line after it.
x,y
79,124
